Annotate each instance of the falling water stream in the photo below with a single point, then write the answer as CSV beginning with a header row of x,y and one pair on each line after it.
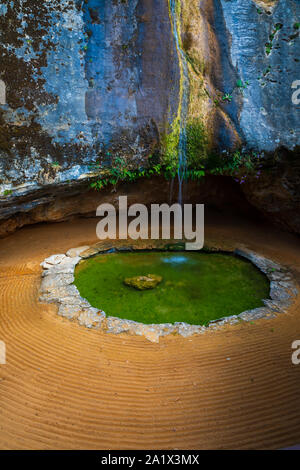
x,y
184,98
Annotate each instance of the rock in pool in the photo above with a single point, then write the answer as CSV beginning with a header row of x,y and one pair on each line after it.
x,y
143,282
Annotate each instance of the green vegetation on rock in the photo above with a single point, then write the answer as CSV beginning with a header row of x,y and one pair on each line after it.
x,y
275,30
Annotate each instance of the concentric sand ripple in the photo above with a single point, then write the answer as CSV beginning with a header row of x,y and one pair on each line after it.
x,y
65,387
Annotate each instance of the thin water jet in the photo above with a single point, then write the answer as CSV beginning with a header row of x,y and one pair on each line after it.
x,y
184,98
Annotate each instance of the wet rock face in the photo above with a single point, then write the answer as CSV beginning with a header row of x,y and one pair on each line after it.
x,y
129,64
83,80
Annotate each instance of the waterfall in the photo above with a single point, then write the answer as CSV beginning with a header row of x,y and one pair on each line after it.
x,y
184,97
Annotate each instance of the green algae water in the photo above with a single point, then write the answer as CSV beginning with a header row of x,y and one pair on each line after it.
x,y
195,287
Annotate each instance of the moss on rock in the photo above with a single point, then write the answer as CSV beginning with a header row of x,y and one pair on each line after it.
x,y
143,282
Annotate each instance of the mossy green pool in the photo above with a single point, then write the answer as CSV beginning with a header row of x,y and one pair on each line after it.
x,y
195,288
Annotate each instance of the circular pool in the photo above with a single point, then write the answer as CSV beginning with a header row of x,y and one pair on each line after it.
x,y
193,287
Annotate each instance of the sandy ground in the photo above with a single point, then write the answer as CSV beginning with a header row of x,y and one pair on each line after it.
x,y
65,387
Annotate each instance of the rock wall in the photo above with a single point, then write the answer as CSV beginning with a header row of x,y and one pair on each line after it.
x,y
265,51
88,80
250,51
82,79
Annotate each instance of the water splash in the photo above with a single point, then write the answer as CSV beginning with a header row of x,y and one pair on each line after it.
x,y
184,97
176,260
